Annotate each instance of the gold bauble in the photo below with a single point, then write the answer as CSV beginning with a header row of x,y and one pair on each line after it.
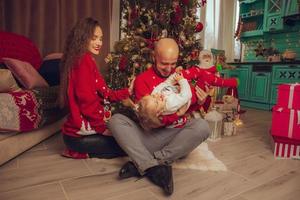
x,y
142,44
125,48
136,65
139,30
148,65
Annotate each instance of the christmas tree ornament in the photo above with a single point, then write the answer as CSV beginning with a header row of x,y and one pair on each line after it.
x,y
126,48
123,63
148,65
136,65
142,44
199,27
164,33
139,30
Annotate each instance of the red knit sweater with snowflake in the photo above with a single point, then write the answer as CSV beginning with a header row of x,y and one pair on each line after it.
x,y
88,99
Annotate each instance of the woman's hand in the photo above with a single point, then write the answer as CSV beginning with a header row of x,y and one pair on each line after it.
x,y
128,103
131,84
201,94
107,132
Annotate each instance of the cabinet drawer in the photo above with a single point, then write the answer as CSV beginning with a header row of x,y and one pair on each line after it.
x,y
260,86
286,73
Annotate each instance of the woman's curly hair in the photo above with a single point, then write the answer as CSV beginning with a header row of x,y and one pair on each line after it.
x,y
75,46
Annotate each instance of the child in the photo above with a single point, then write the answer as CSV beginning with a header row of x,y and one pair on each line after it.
x,y
165,99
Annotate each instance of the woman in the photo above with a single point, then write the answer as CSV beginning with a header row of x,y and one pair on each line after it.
x,y
84,92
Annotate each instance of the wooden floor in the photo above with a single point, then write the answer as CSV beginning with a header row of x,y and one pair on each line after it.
x,y
253,173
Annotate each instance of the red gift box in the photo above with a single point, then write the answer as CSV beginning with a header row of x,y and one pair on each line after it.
x,y
285,148
286,122
289,96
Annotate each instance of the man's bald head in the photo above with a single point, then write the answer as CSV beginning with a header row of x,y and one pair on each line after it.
x,y
166,55
167,47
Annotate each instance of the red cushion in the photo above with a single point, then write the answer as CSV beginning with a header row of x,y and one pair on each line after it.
x,y
19,47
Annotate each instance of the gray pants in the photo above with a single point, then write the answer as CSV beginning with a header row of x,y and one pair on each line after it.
x,y
157,146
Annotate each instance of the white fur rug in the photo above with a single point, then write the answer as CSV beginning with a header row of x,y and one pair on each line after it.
x,y
199,159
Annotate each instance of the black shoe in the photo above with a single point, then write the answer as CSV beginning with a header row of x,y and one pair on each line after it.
x,y
161,175
128,170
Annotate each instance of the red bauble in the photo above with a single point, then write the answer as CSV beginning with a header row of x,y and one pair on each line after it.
x,y
199,27
185,2
123,63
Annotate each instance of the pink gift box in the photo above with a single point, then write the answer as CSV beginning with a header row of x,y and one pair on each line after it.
x,y
285,122
289,96
285,148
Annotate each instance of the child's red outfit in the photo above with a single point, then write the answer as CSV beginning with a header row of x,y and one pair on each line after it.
x,y
207,77
87,93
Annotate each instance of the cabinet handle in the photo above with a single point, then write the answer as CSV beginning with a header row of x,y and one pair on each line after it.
x,y
260,74
292,66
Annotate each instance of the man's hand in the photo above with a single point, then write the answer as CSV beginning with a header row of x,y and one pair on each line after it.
x,y
201,94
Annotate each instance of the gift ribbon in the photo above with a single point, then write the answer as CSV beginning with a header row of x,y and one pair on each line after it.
x,y
291,120
291,123
291,94
298,121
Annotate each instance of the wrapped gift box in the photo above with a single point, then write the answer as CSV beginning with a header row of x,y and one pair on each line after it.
x,y
285,148
286,122
289,96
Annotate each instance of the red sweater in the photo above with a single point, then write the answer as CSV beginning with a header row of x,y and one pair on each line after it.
x,y
88,98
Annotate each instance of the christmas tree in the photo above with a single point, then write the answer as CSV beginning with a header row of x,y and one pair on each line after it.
x,y
143,23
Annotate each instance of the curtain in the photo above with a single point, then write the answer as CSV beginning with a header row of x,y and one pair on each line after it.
x,y
219,26
47,22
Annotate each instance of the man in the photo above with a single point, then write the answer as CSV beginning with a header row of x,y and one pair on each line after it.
x,y
153,151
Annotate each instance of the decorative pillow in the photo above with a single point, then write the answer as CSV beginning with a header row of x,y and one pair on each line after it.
x,y
7,81
52,56
20,111
49,70
25,73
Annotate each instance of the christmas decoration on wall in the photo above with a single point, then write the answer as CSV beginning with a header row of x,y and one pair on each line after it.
x,y
143,23
259,50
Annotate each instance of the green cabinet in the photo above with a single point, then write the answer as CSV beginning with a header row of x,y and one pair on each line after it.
x,y
260,84
287,73
252,17
274,11
292,7
259,81
243,74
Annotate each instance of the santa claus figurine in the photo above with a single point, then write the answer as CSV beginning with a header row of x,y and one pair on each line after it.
x,y
206,76
207,62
